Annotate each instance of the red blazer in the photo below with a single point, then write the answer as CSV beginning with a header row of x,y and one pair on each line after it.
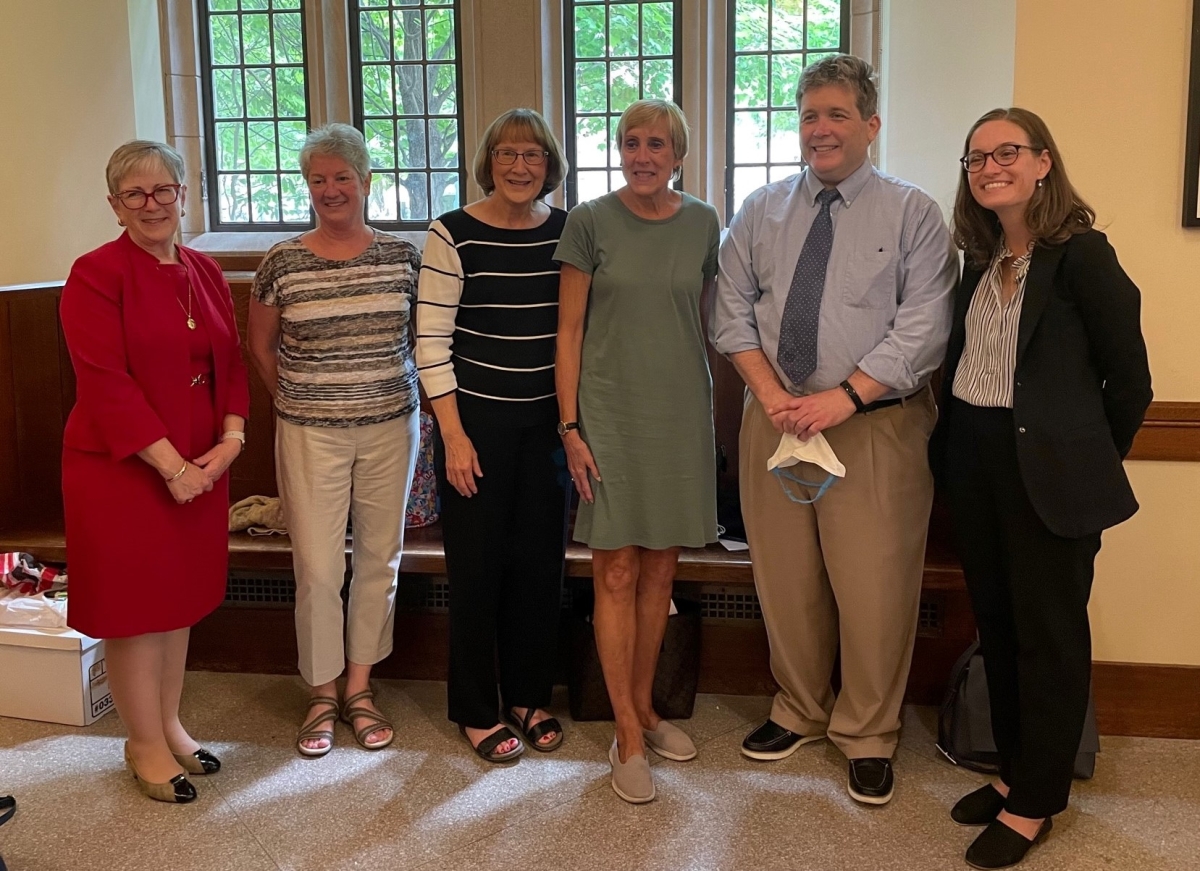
x,y
128,342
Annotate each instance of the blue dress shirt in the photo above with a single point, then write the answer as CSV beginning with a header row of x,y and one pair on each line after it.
x,y
887,303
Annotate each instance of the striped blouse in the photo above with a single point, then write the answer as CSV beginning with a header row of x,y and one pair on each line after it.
x,y
487,311
345,351
989,360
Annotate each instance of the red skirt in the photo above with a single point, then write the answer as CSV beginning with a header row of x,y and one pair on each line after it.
x,y
137,561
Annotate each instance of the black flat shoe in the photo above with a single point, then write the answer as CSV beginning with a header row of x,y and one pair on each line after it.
x,y
200,762
8,807
770,742
870,780
998,846
978,808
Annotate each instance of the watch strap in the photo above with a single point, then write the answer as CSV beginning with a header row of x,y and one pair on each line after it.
x,y
854,397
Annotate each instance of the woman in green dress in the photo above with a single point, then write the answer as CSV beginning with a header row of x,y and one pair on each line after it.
x,y
635,399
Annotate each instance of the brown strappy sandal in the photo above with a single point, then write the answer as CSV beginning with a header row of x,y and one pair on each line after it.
x,y
375,721
312,729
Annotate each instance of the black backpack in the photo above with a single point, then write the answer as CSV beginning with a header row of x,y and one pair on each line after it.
x,y
965,721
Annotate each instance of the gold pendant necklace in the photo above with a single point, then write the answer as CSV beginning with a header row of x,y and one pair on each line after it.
x,y
188,311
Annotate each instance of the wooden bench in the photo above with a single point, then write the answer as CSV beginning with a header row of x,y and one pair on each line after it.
x,y
37,390
423,554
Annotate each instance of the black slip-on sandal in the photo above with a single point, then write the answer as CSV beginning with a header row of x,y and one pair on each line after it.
x,y
533,734
487,747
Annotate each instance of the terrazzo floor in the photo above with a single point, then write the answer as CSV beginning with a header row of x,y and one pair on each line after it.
x,y
428,803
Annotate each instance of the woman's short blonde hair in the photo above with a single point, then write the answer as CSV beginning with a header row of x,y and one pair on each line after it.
x,y
337,140
137,154
517,125
643,113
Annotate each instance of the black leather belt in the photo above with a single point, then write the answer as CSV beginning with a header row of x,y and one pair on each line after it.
x,y
887,403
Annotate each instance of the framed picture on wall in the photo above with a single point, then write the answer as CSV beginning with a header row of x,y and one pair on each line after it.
x,y
1191,172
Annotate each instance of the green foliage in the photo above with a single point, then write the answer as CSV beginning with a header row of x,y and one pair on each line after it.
x,y
634,43
395,84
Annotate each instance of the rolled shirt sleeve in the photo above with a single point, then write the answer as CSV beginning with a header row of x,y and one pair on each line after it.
x,y
733,326
915,344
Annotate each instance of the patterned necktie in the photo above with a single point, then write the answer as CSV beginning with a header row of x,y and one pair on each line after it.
x,y
802,312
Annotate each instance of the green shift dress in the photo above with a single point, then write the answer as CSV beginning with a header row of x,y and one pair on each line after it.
x,y
645,392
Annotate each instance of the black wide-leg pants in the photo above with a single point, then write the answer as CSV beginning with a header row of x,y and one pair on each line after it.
x,y
504,557
1029,589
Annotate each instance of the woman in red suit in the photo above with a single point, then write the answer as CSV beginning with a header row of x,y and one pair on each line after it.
x,y
160,413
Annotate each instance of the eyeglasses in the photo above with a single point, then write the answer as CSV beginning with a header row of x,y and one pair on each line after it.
x,y
1005,155
164,195
507,157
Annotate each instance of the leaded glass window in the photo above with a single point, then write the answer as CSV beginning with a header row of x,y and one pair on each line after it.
x,y
770,42
256,109
407,93
616,53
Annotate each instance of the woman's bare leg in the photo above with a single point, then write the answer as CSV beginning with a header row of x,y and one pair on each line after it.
x,y
615,620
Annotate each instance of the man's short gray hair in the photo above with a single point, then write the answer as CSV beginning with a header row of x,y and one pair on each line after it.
x,y
849,72
337,140
137,154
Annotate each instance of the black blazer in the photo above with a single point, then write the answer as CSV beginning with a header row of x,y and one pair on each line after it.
x,y
1082,383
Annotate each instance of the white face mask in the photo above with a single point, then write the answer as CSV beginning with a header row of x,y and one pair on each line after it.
x,y
816,451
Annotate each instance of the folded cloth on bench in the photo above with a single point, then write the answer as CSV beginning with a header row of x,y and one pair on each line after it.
x,y
258,515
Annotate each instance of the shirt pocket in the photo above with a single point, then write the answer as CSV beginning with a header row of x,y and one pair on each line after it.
x,y
871,279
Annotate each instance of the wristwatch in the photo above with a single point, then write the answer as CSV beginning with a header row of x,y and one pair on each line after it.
x,y
853,394
565,427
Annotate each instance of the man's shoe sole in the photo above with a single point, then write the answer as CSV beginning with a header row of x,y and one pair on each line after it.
x,y
868,799
775,755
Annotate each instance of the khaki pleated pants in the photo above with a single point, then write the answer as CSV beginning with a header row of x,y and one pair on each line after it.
x,y
845,570
326,475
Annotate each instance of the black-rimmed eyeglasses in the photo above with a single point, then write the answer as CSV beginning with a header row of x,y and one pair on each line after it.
x,y
1005,155
164,195
507,157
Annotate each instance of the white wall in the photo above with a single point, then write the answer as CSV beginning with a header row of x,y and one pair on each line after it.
x,y
945,63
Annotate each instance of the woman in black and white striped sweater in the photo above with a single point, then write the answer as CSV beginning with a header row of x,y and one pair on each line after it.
x,y
487,315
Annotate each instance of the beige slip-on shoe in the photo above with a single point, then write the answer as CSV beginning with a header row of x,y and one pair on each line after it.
x,y
670,742
631,779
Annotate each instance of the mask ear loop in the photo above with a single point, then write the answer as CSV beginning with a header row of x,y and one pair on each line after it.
x,y
784,476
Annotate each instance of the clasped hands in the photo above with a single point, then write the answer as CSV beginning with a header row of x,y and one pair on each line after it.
x,y
805,416
201,473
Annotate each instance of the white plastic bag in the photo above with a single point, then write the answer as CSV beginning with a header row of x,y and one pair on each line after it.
x,y
18,610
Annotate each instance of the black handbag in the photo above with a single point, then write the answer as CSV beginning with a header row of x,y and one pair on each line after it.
x,y
675,681
965,721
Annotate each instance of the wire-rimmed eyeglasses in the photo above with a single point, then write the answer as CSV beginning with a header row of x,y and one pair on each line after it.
x,y
1005,155
507,157
164,195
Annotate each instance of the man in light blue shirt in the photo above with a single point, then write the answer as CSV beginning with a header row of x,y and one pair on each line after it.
x,y
834,302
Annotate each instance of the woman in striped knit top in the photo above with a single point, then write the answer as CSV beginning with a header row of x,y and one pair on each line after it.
x,y
487,314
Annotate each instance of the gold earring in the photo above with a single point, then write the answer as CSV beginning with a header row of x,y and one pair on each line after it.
x,y
120,223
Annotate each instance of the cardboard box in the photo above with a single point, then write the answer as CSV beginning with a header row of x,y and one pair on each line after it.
x,y
52,675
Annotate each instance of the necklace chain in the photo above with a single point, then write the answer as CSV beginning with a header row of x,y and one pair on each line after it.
x,y
191,323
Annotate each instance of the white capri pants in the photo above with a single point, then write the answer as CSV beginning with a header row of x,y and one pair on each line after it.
x,y
325,475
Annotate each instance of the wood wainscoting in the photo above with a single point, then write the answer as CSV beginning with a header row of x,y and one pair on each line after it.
x,y
37,390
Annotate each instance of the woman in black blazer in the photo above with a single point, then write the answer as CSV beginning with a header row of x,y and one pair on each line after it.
x,y
1045,385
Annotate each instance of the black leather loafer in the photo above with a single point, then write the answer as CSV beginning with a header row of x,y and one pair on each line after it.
x,y
770,741
998,846
870,780
978,808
